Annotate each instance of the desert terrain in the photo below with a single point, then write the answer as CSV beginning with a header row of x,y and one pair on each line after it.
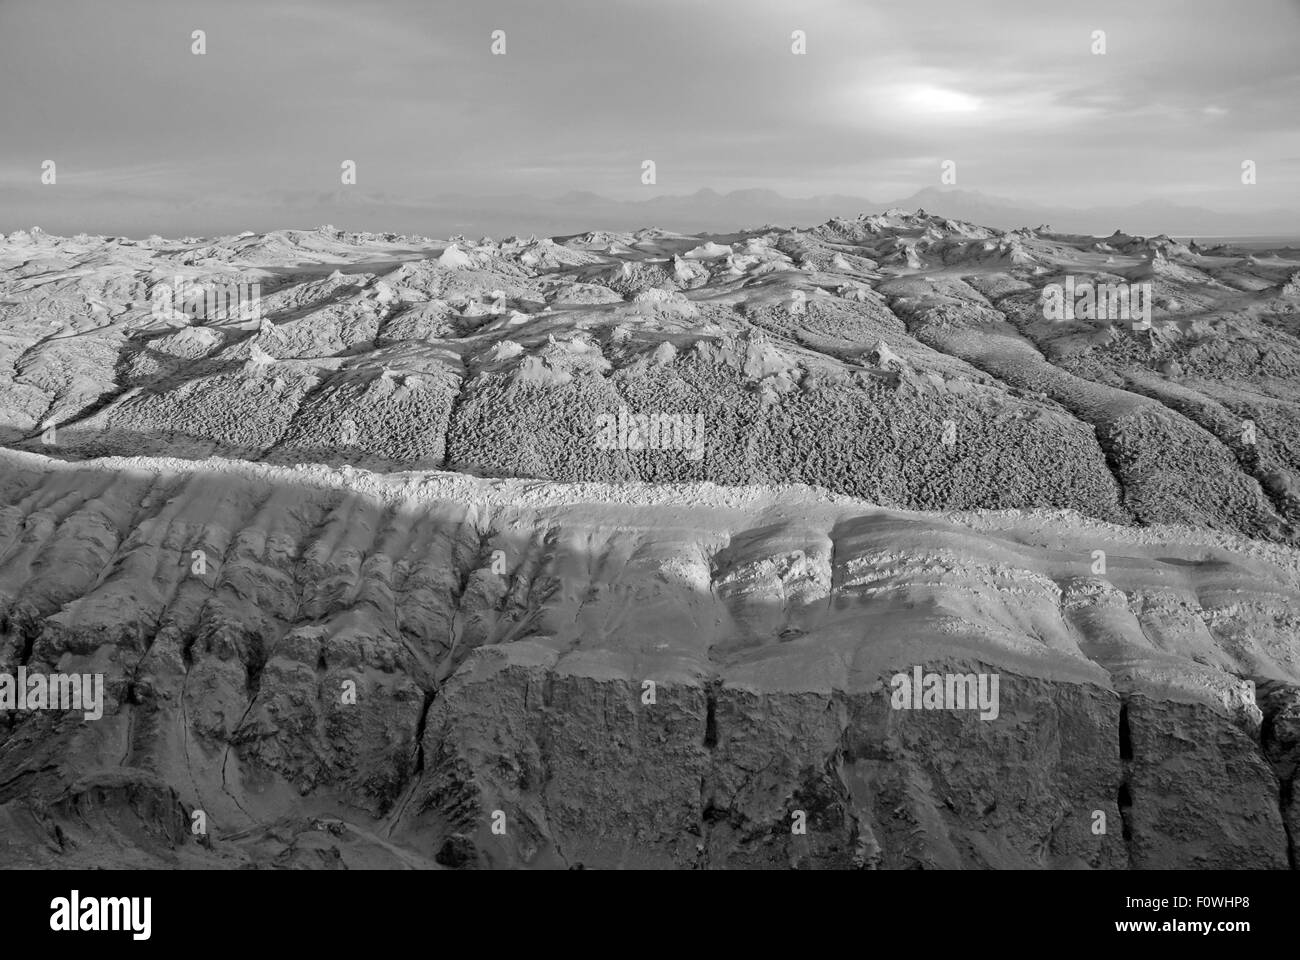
x,y
377,574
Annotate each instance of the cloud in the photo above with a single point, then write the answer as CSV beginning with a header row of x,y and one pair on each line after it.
x,y
411,92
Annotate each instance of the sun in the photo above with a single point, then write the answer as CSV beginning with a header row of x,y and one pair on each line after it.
x,y
928,99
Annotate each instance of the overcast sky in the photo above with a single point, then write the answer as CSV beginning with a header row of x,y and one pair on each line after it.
x,y
148,137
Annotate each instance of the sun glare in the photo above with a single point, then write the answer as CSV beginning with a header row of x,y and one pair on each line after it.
x,y
925,99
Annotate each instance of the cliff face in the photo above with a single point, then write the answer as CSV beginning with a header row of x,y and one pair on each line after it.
x,y
340,668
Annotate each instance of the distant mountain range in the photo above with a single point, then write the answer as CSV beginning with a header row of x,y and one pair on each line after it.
x,y
709,210
577,212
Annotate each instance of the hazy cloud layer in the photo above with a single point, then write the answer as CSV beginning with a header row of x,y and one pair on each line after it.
x,y
148,137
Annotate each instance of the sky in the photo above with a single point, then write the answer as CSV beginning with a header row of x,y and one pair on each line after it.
x,y
148,137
